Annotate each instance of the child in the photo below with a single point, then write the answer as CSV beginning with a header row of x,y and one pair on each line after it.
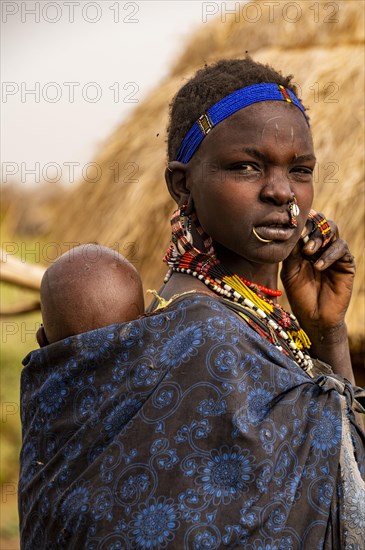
x,y
89,287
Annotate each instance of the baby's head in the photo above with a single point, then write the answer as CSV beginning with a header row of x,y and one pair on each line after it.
x,y
89,287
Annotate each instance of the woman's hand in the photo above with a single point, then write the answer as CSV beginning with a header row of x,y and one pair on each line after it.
x,y
319,293
319,290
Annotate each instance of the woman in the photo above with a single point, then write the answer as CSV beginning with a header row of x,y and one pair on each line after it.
x,y
212,421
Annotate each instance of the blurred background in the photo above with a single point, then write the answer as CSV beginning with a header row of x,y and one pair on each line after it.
x,y
85,94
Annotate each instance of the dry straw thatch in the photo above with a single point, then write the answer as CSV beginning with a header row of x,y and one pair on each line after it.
x,y
324,49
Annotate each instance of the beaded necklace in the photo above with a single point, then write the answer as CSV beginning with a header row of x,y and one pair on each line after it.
x,y
259,288
266,317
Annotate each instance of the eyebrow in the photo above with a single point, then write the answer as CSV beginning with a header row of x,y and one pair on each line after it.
x,y
261,156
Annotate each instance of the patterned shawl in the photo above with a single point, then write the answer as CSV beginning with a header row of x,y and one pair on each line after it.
x,y
183,429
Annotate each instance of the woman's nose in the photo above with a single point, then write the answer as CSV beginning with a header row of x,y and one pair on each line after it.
x,y
277,188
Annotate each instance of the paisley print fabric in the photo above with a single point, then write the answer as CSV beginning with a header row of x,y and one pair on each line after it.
x,y
353,492
183,429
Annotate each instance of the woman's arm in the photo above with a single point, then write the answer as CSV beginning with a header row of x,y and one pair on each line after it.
x,y
319,294
332,347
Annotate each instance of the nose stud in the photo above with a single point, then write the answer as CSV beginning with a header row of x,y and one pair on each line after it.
x,y
294,212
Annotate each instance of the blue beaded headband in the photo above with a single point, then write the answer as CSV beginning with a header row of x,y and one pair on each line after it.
x,y
226,107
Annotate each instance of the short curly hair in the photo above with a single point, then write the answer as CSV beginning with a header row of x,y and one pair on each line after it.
x,y
209,85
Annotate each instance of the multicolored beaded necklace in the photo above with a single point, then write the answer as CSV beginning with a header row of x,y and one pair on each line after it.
x,y
266,317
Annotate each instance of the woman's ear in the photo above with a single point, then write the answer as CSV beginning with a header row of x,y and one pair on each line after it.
x,y
175,176
41,337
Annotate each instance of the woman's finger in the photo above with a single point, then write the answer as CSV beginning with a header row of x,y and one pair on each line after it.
x,y
337,251
315,240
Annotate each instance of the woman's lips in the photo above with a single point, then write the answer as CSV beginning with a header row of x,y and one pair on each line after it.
x,y
276,232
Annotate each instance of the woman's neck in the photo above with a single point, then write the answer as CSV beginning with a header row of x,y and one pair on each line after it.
x,y
261,274
265,275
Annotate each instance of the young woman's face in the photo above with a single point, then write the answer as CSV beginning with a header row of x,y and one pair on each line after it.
x,y
245,174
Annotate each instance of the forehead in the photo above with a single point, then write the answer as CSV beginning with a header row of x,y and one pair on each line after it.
x,y
270,124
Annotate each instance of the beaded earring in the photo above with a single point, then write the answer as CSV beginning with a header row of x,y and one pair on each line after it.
x,y
184,230
182,243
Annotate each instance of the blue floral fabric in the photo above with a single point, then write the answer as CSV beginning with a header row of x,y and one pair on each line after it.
x,y
183,429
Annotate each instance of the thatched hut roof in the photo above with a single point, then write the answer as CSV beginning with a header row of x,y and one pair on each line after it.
x,y
324,49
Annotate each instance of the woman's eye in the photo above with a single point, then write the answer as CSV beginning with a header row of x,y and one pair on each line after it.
x,y
302,170
245,167
245,171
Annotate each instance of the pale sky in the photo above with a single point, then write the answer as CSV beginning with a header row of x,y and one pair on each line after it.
x,y
66,84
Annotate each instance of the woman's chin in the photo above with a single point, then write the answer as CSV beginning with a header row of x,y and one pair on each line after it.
x,y
263,253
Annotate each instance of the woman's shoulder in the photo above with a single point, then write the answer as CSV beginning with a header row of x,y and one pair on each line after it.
x,y
195,302
177,287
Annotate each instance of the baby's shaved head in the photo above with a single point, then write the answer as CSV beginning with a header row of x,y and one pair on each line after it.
x,y
89,287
